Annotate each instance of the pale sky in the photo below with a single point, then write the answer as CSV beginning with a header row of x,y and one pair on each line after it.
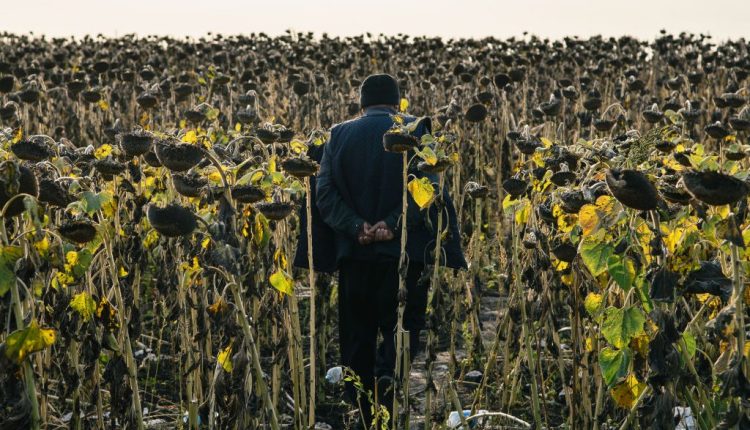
x,y
459,18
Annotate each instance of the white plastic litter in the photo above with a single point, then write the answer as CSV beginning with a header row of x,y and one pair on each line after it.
x,y
334,375
685,415
454,420
186,417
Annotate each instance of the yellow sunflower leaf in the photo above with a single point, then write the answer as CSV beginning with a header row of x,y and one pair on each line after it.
x,y
190,137
280,259
103,151
215,177
282,282
588,219
42,246
421,191
297,146
522,212
428,155
33,338
590,216
566,222
256,176
567,279
272,164
71,257
218,307
723,211
626,392
606,204
84,304
261,232
509,202
151,237
560,265
640,343
593,303
403,105
17,135
225,358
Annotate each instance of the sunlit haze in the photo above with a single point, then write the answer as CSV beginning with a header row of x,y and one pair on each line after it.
x,y
467,18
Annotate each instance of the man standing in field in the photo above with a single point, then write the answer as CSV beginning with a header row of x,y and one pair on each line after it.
x,y
359,191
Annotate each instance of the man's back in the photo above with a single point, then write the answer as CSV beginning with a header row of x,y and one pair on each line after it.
x,y
359,182
367,178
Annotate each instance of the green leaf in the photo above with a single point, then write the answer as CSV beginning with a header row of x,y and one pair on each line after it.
x,y
212,114
642,288
673,116
690,343
83,262
95,201
614,364
595,254
621,325
296,188
427,139
8,257
33,338
32,208
277,177
428,155
622,270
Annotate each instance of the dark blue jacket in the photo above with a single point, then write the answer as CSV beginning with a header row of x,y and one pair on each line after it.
x,y
359,181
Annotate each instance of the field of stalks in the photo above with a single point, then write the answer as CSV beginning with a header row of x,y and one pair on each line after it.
x,y
151,191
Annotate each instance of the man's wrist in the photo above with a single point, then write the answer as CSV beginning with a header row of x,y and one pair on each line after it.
x,y
392,223
356,228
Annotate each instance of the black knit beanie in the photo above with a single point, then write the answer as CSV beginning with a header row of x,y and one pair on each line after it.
x,y
379,90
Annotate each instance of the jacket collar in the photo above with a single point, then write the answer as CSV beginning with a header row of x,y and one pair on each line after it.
x,y
379,111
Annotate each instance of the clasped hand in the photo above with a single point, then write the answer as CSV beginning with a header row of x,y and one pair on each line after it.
x,y
378,232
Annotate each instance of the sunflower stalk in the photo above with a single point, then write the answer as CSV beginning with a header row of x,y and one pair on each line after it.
x,y
28,370
125,332
526,328
402,269
247,331
313,322
434,282
739,299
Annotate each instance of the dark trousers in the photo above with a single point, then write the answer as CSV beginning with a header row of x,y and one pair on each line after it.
x,y
368,304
